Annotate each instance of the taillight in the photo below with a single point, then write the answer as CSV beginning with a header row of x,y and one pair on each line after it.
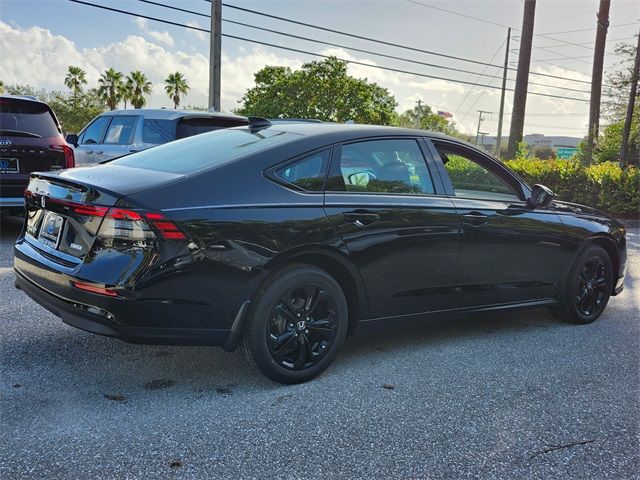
x,y
127,224
69,159
95,289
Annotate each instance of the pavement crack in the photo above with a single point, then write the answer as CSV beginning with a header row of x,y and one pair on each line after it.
x,y
552,448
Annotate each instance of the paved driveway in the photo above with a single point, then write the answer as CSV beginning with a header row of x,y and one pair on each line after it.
x,y
509,395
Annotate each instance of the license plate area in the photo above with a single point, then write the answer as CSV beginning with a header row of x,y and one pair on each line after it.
x,y
9,165
51,229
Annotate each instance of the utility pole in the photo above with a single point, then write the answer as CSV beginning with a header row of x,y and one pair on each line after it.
x,y
215,53
626,131
522,78
596,75
419,114
504,90
480,120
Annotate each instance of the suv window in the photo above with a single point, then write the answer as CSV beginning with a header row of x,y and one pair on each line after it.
x,y
207,150
121,130
382,166
472,180
95,131
157,131
307,173
188,127
26,118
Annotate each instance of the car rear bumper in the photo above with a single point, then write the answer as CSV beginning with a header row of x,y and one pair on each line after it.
x,y
97,320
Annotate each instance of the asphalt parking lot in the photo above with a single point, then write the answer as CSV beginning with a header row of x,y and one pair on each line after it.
x,y
509,395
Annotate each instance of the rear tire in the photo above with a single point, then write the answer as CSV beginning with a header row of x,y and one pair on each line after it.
x,y
296,323
588,287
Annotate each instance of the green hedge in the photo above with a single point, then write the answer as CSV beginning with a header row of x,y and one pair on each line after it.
x,y
605,186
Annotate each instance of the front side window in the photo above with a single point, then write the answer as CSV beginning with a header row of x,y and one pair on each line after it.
x,y
381,166
95,131
121,130
472,180
307,173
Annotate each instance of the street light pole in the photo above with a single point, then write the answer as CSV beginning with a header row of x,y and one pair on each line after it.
x,y
215,53
504,90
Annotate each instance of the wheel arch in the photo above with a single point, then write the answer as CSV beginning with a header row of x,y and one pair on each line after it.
x,y
609,245
336,264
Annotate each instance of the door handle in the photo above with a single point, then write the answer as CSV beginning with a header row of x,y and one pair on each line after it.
x,y
89,151
99,152
360,218
475,218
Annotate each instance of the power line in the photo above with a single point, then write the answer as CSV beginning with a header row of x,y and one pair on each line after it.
x,y
391,44
589,29
305,52
360,50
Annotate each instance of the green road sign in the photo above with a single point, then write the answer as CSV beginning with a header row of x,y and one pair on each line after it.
x,y
566,153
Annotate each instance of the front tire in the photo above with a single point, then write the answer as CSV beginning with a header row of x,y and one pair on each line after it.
x,y
588,287
296,324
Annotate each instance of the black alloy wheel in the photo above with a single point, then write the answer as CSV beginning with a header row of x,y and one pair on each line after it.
x,y
296,324
302,327
588,287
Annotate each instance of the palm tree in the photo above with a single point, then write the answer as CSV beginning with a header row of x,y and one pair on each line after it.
x,y
76,77
176,85
110,84
125,92
1,87
140,87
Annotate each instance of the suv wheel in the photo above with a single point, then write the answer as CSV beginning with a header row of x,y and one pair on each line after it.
x,y
296,324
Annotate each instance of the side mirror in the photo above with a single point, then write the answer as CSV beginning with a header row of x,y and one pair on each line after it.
x,y
541,196
72,139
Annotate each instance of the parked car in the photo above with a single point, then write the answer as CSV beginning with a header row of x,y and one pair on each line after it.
x,y
282,239
121,132
30,140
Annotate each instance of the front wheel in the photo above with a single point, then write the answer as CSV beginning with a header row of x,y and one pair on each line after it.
x,y
296,324
588,287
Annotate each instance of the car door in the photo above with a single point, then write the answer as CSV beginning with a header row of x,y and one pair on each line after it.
x,y
118,140
509,251
402,235
90,139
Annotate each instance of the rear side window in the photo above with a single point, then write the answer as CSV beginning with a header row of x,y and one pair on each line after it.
x,y
95,130
381,166
157,131
26,119
187,127
307,173
207,150
121,130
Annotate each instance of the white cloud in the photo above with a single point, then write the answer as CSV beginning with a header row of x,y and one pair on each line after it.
x,y
163,37
196,33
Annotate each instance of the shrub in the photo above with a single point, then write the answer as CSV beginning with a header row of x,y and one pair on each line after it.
x,y
605,186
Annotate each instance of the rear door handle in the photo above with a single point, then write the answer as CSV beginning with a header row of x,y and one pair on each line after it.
x,y
99,152
360,218
475,218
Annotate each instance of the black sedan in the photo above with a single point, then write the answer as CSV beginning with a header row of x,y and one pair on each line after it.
x,y
282,239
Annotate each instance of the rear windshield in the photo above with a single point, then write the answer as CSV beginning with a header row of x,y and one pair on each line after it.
x,y
207,150
26,119
188,127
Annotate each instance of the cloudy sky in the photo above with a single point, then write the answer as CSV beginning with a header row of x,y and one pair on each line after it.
x,y
40,38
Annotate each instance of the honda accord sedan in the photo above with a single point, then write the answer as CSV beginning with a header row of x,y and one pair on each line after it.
x,y
280,239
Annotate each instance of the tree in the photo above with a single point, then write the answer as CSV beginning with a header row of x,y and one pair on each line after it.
x,y
125,92
321,90
1,87
76,77
176,85
428,120
75,111
140,88
544,152
110,88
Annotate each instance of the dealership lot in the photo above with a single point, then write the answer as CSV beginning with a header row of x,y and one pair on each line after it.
x,y
516,395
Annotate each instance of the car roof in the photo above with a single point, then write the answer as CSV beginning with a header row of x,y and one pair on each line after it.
x,y
172,114
28,98
344,131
